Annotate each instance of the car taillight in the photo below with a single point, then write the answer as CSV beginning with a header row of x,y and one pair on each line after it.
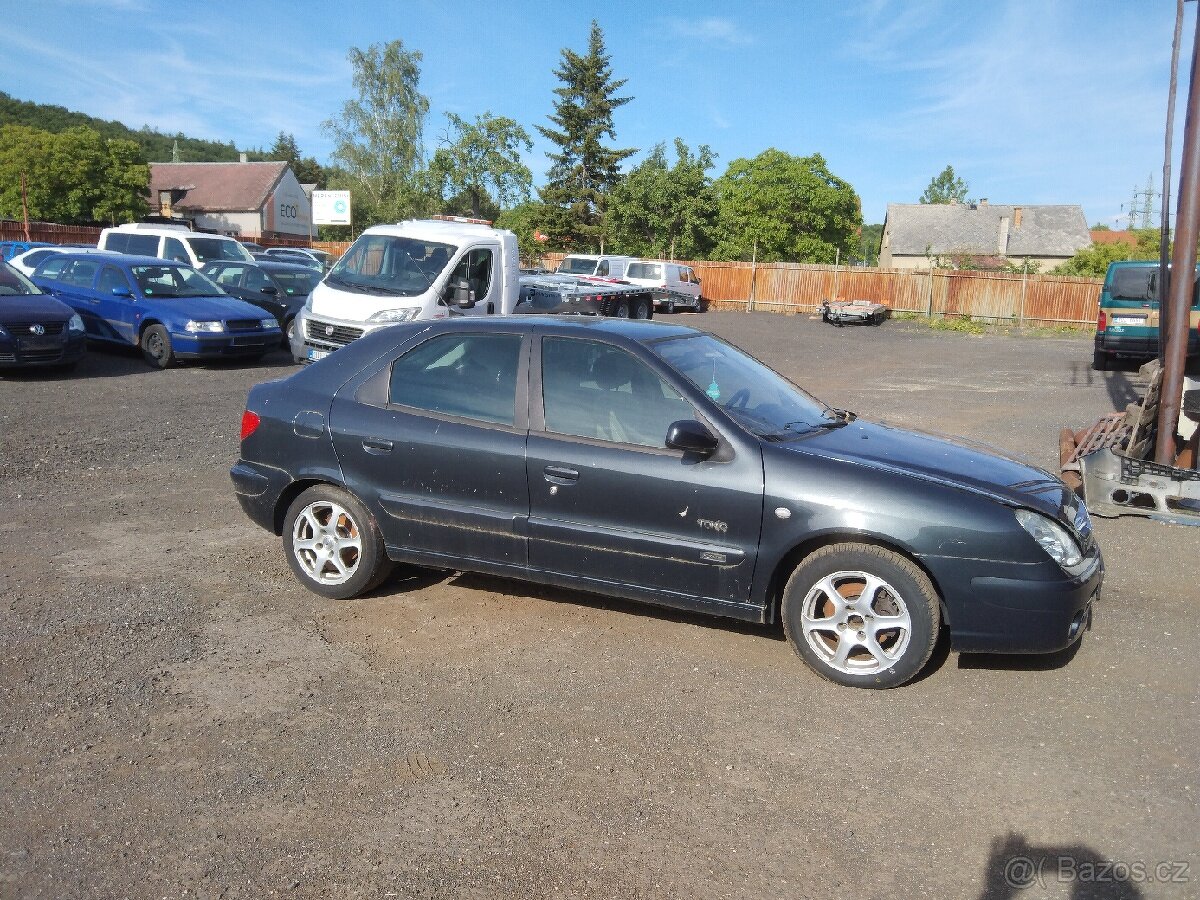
x,y
1102,321
250,422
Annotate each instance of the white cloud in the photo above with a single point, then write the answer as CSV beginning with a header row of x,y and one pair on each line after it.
x,y
715,30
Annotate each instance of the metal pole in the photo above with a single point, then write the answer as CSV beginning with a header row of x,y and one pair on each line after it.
x,y
1164,237
1183,261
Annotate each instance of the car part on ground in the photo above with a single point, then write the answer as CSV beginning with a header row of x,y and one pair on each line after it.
x,y
853,312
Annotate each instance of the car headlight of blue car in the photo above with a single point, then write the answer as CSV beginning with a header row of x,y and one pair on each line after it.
x,y
196,327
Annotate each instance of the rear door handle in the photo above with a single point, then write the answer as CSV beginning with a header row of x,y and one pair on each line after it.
x,y
378,446
560,475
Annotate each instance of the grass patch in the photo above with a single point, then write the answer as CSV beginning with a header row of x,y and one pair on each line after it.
x,y
1008,327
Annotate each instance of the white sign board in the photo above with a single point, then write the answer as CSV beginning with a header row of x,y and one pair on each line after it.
x,y
331,207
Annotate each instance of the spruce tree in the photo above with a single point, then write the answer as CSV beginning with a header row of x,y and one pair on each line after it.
x,y
583,169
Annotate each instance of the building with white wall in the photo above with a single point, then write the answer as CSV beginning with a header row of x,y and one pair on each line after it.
x,y
248,200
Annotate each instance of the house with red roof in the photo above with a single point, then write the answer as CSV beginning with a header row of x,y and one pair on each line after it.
x,y
248,200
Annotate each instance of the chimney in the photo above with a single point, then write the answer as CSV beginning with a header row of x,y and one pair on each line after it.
x,y
1016,217
1002,238
242,156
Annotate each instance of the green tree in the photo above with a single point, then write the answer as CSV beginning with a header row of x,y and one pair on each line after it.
x,y
481,161
660,211
525,220
306,169
583,169
945,188
791,208
1092,261
75,176
869,240
378,139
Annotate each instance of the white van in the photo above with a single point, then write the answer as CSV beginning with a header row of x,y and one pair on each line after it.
x,y
594,266
680,280
175,242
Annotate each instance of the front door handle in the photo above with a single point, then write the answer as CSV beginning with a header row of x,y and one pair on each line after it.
x,y
377,446
560,475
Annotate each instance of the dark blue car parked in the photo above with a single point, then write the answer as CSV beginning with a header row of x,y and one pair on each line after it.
x,y
168,309
35,328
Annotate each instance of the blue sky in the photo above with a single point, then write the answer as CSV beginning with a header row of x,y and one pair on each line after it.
x,y
1031,101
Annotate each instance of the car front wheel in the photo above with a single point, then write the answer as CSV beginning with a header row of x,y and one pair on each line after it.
x,y
156,347
333,544
860,615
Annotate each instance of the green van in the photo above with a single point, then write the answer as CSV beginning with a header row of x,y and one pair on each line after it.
x,y
1128,321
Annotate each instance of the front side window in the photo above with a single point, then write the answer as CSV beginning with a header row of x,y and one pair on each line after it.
x,y
81,273
208,249
257,279
595,390
173,249
470,375
230,276
385,264
759,399
476,268
112,278
173,281
575,265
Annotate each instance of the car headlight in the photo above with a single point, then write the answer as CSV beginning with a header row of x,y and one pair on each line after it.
x,y
1052,537
395,315
268,323
194,326
3,333
76,323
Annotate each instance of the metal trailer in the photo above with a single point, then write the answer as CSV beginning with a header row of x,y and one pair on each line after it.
x,y
572,295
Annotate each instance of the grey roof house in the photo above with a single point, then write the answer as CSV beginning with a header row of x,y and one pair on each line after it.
x,y
918,235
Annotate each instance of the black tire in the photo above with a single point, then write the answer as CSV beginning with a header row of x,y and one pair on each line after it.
x,y
701,305
641,309
332,520
1099,360
621,309
904,593
288,327
670,307
157,349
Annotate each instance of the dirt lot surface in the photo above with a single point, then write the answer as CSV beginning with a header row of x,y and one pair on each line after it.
x,y
178,717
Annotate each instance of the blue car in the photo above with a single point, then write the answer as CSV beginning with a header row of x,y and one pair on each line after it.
x,y
168,309
35,328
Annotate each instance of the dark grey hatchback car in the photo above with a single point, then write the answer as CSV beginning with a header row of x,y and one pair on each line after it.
x,y
659,463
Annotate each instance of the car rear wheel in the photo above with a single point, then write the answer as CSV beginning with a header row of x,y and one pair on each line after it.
x,y
333,544
621,310
861,616
641,309
156,347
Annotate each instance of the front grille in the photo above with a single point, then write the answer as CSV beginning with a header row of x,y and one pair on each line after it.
x,y
7,358
327,333
41,355
244,324
20,329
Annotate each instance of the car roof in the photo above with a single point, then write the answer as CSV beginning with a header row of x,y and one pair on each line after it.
x,y
126,259
630,329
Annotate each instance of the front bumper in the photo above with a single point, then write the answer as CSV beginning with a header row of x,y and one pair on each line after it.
x,y
208,346
56,350
1016,607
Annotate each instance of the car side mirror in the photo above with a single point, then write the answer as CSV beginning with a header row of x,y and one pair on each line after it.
x,y
691,436
461,294
122,292
270,289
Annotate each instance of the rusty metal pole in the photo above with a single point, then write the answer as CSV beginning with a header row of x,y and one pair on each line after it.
x,y
1183,264
1164,236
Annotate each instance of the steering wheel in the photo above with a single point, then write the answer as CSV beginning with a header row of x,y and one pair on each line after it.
x,y
739,399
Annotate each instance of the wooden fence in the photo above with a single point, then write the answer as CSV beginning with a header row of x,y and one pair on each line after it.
x,y
944,293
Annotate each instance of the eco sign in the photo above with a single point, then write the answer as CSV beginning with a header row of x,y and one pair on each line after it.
x,y
331,207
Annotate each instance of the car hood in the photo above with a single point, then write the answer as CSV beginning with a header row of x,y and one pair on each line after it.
x,y
209,308
33,308
952,461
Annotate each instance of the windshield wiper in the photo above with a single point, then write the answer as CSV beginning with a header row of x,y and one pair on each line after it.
x,y
348,285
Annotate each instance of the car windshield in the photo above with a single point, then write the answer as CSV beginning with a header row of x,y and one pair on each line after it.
x,y
173,281
385,264
14,284
644,270
761,400
207,249
297,284
575,265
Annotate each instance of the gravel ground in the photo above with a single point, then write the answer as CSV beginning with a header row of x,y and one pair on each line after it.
x,y
178,717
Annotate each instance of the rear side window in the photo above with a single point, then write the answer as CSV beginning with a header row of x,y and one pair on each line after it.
x,y
137,244
473,376
53,268
81,273
644,270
